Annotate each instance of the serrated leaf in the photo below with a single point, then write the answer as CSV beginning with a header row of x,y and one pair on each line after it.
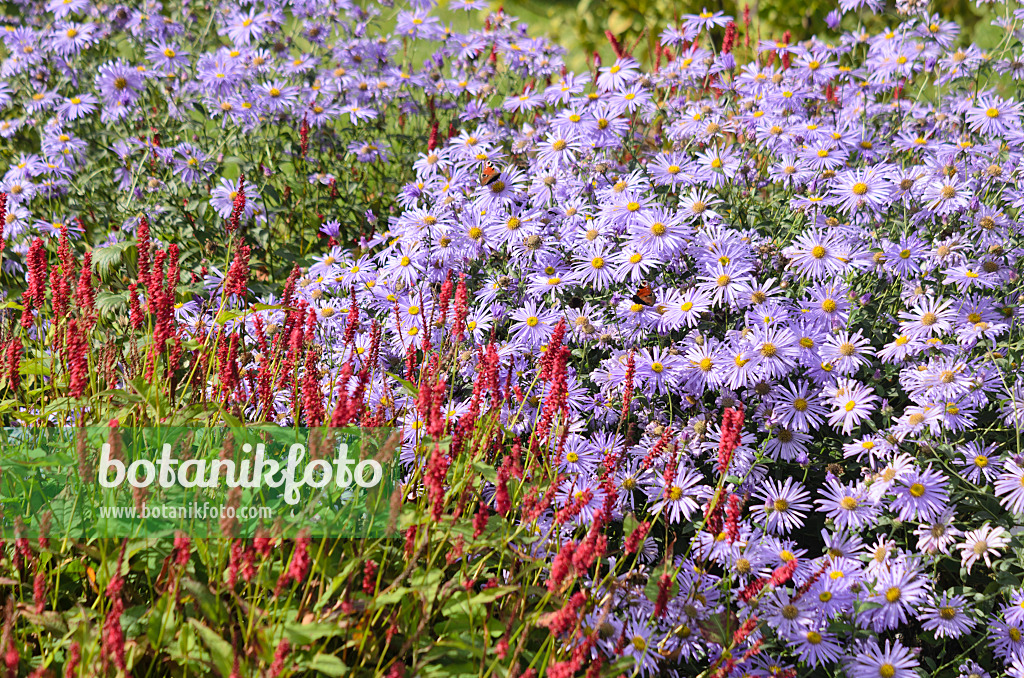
x,y
108,302
106,259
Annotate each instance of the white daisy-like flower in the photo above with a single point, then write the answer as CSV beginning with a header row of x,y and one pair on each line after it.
x,y
982,544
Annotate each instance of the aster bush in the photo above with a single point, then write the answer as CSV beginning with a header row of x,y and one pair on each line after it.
x,y
702,366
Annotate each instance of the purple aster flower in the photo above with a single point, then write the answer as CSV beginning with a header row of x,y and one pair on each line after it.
x,y
787,616
69,39
921,495
816,646
77,107
618,75
979,462
191,165
853,402
871,661
861,189
118,83
796,406
533,325
849,506
817,254
676,500
897,591
244,28
166,57
1006,639
1009,486
938,534
783,506
847,352
992,116
695,23
583,489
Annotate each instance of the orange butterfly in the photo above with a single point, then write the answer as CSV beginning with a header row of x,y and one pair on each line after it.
x,y
489,175
644,295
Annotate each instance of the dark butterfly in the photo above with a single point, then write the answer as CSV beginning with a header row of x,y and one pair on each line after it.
x,y
644,295
489,176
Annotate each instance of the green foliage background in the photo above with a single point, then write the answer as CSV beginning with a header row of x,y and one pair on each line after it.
x,y
579,25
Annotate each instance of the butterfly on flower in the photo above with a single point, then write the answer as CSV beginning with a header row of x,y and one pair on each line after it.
x,y
489,175
644,295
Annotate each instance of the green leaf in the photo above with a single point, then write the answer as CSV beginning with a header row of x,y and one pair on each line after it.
x,y
108,302
391,597
327,665
220,649
486,471
36,366
651,590
339,581
305,633
108,258
490,595
209,604
409,386
224,316
718,628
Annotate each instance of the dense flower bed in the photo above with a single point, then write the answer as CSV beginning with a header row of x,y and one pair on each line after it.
x,y
708,367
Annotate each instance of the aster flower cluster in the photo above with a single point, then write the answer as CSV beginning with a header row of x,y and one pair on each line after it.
x,y
756,326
